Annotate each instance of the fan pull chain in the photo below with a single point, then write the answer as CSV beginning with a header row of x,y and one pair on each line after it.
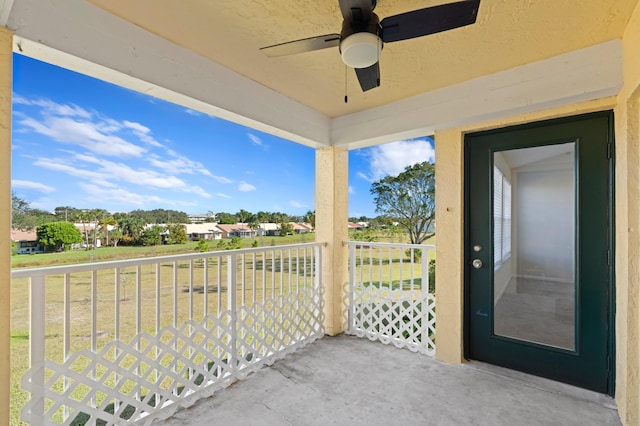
x,y
378,60
346,77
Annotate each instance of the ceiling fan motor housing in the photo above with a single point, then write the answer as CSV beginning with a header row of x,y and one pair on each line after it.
x,y
360,42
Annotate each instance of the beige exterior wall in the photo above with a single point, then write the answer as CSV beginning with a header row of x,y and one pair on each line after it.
x,y
450,215
332,198
628,229
450,211
450,245
6,52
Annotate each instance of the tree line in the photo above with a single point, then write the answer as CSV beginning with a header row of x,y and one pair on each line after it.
x,y
25,217
56,231
407,199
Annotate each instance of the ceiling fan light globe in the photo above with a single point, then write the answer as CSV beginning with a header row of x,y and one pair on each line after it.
x,y
360,50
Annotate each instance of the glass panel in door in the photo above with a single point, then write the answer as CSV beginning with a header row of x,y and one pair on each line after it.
x,y
534,211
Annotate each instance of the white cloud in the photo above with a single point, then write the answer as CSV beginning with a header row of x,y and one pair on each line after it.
x,y
193,112
72,124
117,195
59,165
103,173
141,159
124,197
221,195
297,204
257,141
137,127
351,190
392,158
142,132
245,187
148,178
26,184
82,133
363,176
53,107
43,203
221,179
179,164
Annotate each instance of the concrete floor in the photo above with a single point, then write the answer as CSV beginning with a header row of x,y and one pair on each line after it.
x,y
346,380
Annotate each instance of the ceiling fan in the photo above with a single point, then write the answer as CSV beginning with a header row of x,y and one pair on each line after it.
x,y
363,34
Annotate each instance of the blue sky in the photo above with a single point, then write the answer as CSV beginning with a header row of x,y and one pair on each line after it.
x,y
81,142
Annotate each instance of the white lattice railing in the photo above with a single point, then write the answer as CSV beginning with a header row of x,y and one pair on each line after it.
x,y
389,297
134,340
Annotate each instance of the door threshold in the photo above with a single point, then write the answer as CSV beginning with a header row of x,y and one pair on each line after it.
x,y
544,384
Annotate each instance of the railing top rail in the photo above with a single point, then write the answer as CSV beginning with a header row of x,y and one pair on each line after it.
x,y
84,267
394,245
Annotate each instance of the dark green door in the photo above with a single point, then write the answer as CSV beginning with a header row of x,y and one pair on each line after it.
x,y
538,275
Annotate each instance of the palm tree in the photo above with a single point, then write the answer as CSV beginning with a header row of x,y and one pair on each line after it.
x,y
97,215
253,225
105,223
85,218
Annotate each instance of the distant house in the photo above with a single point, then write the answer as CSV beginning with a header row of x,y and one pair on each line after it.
x,y
200,217
240,230
302,228
269,229
26,242
203,231
354,226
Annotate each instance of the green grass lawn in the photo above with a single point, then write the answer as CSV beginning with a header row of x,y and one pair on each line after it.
x,y
103,254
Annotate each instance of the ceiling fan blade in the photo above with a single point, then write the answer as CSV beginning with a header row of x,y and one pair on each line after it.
x,y
304,45
357,10
369,77
430,20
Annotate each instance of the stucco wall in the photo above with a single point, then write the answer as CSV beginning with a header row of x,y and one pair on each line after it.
x,y
332,180
628,228
6,53
449,216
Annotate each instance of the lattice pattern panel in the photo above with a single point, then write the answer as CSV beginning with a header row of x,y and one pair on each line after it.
x,y
152,376
406,319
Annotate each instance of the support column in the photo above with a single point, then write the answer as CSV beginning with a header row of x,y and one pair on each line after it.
x,y
6,52
332,198
627,228
627,266
450,246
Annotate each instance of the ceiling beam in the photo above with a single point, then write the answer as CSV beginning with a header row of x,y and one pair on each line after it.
x,y
591,73
5,11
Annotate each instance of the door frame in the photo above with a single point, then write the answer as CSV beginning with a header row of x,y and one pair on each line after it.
x,y
467,255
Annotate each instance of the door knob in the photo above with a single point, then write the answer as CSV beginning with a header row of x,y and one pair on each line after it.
x,y
477,263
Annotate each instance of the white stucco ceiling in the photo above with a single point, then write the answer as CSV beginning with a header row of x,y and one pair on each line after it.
x,y
508,33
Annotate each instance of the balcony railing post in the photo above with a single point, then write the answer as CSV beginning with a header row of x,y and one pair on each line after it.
x,y
424,321
232,284
319,289
352,283
37,335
